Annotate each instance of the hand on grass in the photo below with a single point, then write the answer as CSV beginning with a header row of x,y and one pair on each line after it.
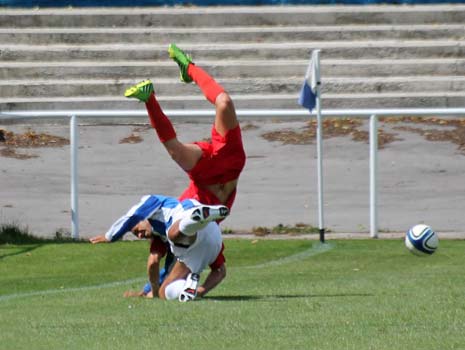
x,y
132,294
98,239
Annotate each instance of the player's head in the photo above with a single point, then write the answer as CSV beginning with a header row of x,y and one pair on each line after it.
x,y
143,229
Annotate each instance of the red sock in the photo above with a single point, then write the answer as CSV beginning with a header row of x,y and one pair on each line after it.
x,y
210,88
159,120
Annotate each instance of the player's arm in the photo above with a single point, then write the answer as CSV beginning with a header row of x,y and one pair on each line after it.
x,y
150,290
213,279
98,239
118,229
141,211
153,271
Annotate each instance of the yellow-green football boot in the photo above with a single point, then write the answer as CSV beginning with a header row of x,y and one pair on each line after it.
x,y
183,60
141,91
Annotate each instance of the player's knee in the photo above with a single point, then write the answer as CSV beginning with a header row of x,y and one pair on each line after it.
x,y
224,102
172,290
161,292
174,232
226,118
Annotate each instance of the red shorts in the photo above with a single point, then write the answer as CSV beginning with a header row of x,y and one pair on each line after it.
x,y
222,160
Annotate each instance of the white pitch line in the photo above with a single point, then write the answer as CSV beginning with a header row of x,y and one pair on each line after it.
x,y
68,290
317,248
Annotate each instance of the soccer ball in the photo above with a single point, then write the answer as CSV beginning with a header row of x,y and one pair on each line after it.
x,y
421,240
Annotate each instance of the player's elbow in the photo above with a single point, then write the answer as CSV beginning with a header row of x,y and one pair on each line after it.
x,y
221,272
153,260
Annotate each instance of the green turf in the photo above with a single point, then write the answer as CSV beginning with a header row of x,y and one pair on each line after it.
x,y
354,294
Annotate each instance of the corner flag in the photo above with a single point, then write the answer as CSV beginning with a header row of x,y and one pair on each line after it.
x,y
310,98
308,92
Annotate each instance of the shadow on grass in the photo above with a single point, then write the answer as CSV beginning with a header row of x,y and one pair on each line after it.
x,y
24,250
283,297
13,234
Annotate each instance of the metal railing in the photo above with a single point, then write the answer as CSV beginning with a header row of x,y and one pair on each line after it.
x,y
372,114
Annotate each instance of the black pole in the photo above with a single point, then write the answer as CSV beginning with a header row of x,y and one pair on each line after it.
x,y
322,235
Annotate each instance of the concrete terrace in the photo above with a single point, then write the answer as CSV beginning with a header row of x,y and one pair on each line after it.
x,y
372,56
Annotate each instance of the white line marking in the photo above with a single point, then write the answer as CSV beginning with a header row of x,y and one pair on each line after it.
x,y
315,249
68,290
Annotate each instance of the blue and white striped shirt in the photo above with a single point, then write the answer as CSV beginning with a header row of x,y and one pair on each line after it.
x,y
159,210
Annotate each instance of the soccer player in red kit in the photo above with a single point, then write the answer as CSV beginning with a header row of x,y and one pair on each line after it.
x,y
213,167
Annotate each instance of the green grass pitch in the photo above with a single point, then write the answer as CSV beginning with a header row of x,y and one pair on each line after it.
x,y
294,294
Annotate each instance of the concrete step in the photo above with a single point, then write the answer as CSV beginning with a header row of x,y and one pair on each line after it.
x,y
336,49
239,86
372,56
248,101
257,34
222,69
232,16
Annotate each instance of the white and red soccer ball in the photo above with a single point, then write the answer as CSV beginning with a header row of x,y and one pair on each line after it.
x,y
421,240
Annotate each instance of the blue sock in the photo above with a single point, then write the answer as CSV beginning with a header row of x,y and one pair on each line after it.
x,y
147,288
163,273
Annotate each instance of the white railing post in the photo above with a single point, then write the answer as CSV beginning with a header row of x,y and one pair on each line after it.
x,y
373,176
74,141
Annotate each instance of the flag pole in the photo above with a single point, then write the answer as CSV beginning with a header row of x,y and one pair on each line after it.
x,y
319,144
310,98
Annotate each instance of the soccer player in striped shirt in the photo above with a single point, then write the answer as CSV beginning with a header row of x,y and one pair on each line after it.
x,y
192,233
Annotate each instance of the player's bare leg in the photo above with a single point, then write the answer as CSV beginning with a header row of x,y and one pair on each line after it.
x,y
194,220
179,272
225,118
186,155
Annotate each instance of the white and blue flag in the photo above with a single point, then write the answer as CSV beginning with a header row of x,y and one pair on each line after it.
x,y
308,92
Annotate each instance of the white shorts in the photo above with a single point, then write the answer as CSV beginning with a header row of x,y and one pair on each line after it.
x,y
203,251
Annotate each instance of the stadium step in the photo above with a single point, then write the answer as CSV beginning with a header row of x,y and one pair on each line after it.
x,y
259,34
143,69
193,17
372,56
273,51
236,86
246,101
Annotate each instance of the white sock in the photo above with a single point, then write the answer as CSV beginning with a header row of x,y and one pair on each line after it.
x,y
188,226
174,289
